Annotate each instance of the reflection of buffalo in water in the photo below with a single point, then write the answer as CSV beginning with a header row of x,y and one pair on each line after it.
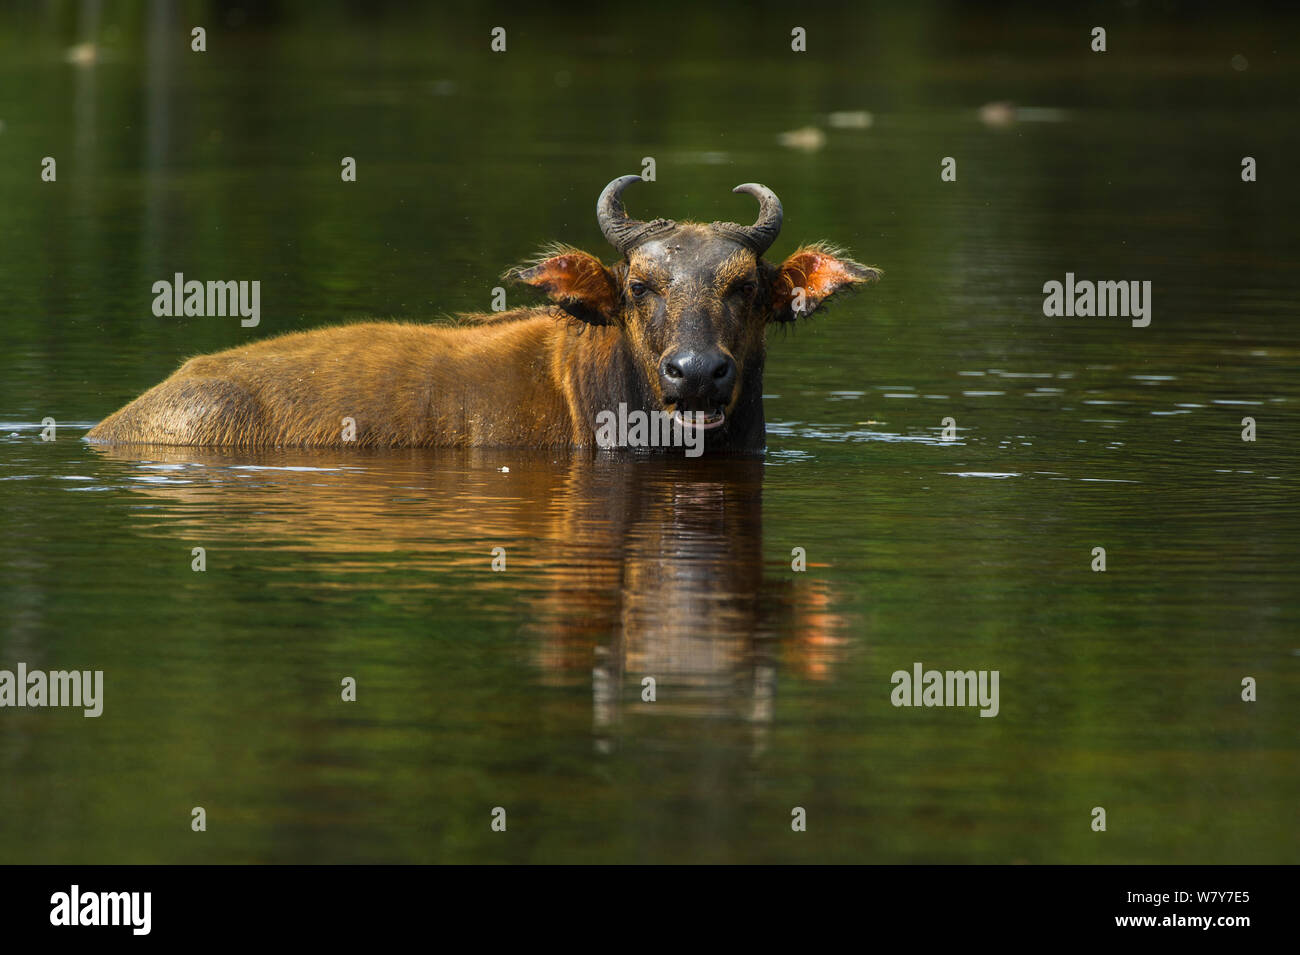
x,y
623,567
677,590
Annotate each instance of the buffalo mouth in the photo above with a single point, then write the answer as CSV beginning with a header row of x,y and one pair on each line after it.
x,y
696,416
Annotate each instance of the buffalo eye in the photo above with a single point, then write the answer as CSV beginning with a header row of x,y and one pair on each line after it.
x,y
639,289
744,288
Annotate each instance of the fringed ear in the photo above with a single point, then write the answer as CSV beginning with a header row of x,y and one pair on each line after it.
x,y
574,280
811,275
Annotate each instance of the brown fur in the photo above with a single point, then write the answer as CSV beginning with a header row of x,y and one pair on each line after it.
x,y
531,378
404,385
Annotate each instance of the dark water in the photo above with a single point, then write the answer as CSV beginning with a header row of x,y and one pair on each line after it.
x,y
522,688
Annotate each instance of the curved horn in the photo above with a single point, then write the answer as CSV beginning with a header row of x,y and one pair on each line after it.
x,y
622,232
619,230
765,229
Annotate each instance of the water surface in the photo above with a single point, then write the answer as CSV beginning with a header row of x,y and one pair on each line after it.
x,y
523,688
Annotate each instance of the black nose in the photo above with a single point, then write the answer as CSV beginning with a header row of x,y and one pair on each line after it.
x,y
708,374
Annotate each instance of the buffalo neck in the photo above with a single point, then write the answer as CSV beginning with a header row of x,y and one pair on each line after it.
x,y
600,373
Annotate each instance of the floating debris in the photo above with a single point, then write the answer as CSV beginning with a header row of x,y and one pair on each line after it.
x,y
83,54
998,115
712,157
1003,113
808,139
851,119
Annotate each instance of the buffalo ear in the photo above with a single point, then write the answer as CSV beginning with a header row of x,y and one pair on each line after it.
x,y
574,280
811,275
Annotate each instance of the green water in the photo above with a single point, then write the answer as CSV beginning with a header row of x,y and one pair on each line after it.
x,y
522,688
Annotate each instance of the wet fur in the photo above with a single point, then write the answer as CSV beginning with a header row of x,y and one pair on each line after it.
x,y
527,378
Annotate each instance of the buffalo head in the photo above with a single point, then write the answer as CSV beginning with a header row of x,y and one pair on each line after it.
x,y
694,300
